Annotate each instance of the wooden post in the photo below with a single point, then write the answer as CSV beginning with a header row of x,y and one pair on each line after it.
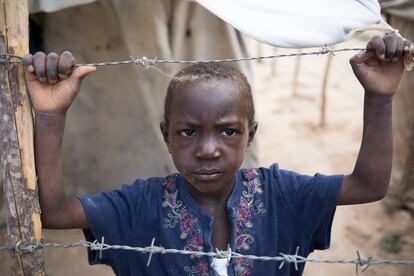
x,y
17,169
322,121
273,70
296,72
259,51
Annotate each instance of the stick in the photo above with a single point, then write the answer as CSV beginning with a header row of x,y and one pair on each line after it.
x,y
322,121
295,82
17,171
273,70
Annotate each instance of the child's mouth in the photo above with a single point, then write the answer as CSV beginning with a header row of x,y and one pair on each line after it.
x,y
207,175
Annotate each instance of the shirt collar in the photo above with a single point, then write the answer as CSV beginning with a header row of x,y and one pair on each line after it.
x,y
189,201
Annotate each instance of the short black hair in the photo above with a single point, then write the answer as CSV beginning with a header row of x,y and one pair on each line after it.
x,y
207,71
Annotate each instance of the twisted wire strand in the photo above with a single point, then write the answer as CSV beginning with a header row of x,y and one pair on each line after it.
x,y
6,59
146,62
152,249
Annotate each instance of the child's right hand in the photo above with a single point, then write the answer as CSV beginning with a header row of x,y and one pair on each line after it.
x,y
53,81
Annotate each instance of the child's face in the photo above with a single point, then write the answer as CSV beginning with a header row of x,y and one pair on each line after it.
x,y
208,133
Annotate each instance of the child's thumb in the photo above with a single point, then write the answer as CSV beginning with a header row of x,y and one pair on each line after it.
x,y
81,72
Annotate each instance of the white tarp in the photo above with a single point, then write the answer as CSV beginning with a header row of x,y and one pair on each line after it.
x,y
296,23
290,24
55,5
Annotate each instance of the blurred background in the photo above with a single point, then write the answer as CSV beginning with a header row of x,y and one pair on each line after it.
x,y
309,111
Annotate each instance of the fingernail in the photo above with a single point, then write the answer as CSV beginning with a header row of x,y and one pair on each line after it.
x,y
30,69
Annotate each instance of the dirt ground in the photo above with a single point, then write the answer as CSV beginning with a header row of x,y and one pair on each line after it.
x,y
289,134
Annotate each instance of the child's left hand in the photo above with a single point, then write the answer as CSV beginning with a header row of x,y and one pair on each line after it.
x,y
380,67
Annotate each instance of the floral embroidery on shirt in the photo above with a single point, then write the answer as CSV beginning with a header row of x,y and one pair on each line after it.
x,y
200,269
243,267
190,229
248,206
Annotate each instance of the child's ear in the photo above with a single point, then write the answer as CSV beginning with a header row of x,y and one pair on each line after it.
x,y
252,131
164,132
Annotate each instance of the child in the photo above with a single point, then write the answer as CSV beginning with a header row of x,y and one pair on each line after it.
x,y
211,203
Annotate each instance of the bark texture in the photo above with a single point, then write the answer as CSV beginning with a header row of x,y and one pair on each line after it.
x,y
18,175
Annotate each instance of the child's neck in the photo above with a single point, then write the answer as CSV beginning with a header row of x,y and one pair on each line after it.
x,y
211,202
215,205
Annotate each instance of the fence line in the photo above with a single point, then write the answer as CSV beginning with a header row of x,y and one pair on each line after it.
x,y
148,63
283,258
144,61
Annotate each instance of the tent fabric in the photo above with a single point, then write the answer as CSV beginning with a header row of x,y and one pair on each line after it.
x,y
53,5
399,8
290,24
296,23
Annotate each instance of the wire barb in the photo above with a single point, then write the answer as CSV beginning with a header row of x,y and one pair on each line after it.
x,y
358,263
7,59
100,251
144,61
150,255
17,247
290,259
326,50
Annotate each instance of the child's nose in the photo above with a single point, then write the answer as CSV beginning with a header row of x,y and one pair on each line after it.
x,y
208,148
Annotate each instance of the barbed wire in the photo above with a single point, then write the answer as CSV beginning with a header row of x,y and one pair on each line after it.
x,y
6,59
283,258
146,62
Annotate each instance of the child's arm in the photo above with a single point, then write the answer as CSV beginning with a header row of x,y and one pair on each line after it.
x,y
379,71
53,87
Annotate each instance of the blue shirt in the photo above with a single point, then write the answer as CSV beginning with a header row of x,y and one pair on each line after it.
x,y
271,211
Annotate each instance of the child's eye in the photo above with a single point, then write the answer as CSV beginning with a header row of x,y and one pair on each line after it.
x,y
228,132
188,132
